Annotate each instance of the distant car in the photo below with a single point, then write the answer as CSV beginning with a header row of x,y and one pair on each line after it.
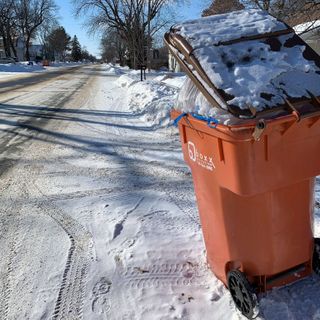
x,y
8,60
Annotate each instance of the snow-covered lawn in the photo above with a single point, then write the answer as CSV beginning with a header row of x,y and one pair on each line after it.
x,y
18,70
34,67
109,204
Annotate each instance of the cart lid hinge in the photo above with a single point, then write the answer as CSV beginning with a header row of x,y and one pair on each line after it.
x,y
259,129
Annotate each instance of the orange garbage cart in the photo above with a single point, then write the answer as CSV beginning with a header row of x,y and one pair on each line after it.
x,y
253,175
254,186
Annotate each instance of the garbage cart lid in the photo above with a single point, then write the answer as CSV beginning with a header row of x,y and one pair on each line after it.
x,y
247,62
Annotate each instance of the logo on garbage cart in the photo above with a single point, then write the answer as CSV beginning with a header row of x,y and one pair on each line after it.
x,y
201,159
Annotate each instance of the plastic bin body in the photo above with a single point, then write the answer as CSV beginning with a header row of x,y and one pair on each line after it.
x,y
255,198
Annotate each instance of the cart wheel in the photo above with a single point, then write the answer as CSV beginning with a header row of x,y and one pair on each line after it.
x,y
316,256
242,293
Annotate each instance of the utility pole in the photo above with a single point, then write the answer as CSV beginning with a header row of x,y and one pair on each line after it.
x,y
149,39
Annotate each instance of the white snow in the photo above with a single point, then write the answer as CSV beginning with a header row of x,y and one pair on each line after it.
x,y
127,80
190,99
248,69
23,67
211,30
252,72
106,185
151,99
111,69
175,80
311,25
20,67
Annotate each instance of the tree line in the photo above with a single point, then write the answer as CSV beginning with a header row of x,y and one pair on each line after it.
x,y
58,45
23,21
129,26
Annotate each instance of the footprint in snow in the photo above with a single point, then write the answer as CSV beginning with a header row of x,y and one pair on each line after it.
x,y
101,303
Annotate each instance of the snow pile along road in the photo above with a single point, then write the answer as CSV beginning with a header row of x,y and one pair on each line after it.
x,y
111,69
20,67
153,99
24,67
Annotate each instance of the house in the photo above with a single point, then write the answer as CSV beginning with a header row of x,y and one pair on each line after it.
x,y
159,58
34,49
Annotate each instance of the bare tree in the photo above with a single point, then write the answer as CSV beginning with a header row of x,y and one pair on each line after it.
x,y
132,19
292,12
8,26
43,33
31,14
113,47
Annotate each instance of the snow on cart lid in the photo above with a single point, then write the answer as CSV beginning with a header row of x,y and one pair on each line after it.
x,y
225,27
252,60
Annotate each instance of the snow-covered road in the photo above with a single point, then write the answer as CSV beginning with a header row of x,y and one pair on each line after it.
x,y
98,217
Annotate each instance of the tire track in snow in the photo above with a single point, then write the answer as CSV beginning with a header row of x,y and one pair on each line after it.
x,y
13,248
141,281
70,299
11,228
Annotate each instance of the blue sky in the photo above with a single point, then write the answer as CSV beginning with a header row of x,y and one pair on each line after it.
x,y
74,26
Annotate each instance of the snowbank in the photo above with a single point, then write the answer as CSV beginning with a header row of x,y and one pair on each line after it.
x,y
20,67
113,70
126,80
152,99
172,79
23,67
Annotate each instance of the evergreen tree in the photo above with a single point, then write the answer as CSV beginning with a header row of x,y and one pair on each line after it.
x,y
76,53
58,42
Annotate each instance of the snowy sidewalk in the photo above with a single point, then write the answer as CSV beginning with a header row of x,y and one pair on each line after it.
x,y
99,219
